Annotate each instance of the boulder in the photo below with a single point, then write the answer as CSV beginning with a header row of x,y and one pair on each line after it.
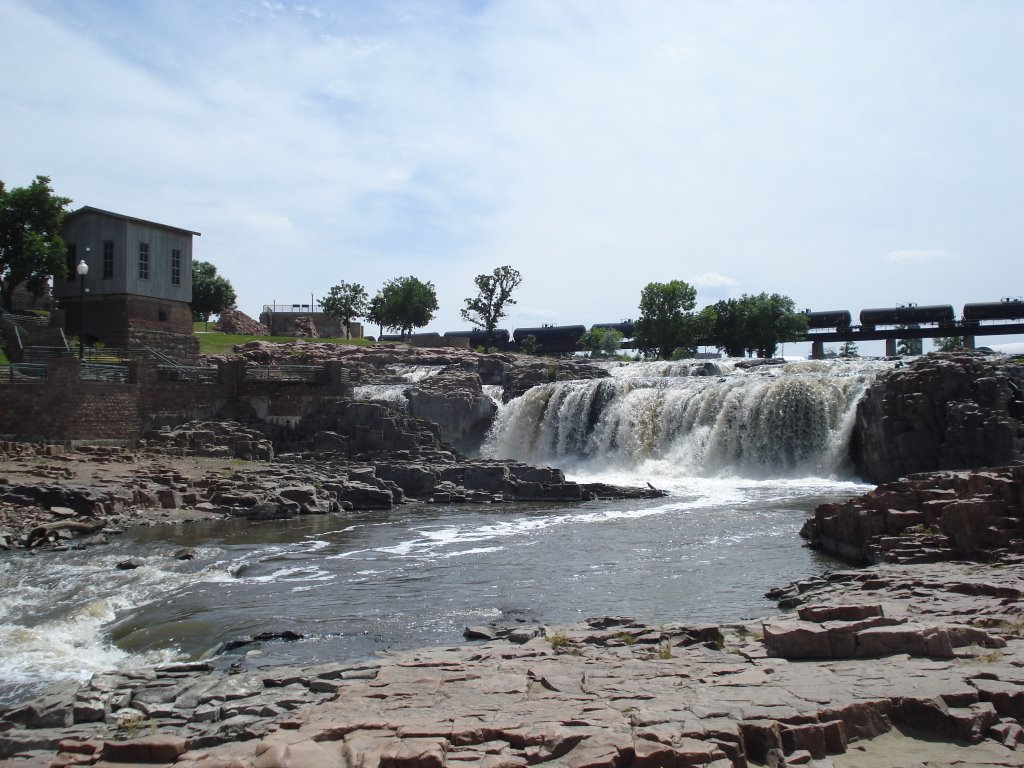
x,y
454,399
944,411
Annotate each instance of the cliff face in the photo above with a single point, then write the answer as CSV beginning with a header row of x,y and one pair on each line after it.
x,y
944,411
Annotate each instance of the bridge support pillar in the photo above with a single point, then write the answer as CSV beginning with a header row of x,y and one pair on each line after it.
x,y
890,347
969,342
817,350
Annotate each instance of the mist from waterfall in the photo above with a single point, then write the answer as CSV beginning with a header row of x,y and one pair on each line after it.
x,y
692,419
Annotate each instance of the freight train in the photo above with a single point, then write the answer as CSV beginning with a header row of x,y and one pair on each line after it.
x,y
941,315
564,339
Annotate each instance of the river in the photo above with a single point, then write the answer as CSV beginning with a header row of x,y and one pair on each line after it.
x,y
744,455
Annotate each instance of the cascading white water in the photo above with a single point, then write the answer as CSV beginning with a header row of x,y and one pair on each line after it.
x,y
402,377
691,419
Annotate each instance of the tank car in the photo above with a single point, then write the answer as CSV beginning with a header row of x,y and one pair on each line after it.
x,y
836,318
552,338
625,328
940,314
478,337
1011,309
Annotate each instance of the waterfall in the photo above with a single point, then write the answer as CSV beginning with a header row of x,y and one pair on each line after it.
x,y
691,419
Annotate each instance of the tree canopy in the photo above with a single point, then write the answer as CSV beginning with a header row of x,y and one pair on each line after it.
x,y
406,303
949,343
31,247
757,324
488,306
346,302
211,293
667,321
602,342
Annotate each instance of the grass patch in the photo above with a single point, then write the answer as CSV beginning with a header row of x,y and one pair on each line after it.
x,y
665,652
3,357
625,638
558,641
216,343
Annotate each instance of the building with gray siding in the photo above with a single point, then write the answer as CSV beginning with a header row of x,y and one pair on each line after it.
x,y
140,277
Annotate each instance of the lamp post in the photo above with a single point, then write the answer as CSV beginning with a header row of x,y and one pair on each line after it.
x,y
83,270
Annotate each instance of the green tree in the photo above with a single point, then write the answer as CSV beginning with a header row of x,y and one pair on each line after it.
x,y
31,247
949,343
375,313
346,302
909,346
602,342
849,349
757,324
407,303
667,319
488,306
529,345
211,293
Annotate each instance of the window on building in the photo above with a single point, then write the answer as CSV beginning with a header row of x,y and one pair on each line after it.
x,y
108,259
175,267
72,262
143,261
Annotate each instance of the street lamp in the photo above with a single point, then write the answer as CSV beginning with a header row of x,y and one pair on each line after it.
x,y
83,270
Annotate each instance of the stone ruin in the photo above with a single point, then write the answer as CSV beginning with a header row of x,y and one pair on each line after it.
x,y
235,322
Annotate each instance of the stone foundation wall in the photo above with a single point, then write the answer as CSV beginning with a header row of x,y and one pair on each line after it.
x,y
67,409
183,347
112,319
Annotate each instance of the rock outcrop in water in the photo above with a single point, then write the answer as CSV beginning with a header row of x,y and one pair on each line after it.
x,y
927,518
943,411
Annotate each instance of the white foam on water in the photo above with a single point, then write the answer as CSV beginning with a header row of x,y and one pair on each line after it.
x,y
473,551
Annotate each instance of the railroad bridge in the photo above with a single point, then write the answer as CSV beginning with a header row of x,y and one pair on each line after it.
x,y
996,318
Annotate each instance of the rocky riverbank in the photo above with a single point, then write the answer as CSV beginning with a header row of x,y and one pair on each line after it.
x,y
926,655
370,460
609,692
930,517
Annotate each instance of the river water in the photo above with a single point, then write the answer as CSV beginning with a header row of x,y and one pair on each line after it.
x,y
745,456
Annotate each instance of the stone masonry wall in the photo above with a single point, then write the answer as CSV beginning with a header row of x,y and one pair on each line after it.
x,y
65,408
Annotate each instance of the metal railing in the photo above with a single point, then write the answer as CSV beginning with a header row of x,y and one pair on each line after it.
x,y
18,373
312,374
187,373
115,374
298,309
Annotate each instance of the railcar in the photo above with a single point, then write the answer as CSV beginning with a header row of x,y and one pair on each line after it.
x,y
626,328
939,314
555,339
1009,309
478,337
839,319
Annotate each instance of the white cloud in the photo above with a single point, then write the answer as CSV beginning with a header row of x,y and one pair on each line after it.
x,y
918,255
713,280
595,147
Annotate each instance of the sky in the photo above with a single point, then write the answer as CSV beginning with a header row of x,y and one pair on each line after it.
x,y
845,154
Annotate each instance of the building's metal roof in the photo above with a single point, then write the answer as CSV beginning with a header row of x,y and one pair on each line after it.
x,y
90,209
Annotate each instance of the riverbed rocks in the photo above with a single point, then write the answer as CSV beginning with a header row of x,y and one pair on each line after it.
x,y
927,518
609,692
212,439
943,411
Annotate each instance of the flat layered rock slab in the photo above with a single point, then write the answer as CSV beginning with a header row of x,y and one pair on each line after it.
x,y
581,696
